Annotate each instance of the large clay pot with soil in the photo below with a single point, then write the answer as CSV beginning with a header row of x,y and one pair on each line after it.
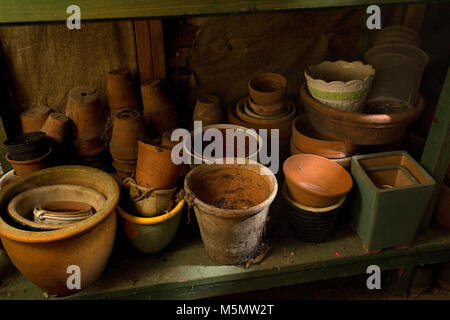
x,y
121,90
43,257
208,110
23,168
231,203
154,168
56,127
27,146
308,140
267,88
359,128
128,129
443,206
159,111
151,234
86,112
316,181
33,118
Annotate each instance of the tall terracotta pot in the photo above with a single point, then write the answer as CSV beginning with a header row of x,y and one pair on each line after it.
x,y
208,110
159,111
86,112
121,91
154,168
33,118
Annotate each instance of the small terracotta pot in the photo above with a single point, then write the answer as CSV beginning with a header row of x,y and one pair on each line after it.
x,y
308,140
208,110
443,207
33,118
315,181
86,112
121,91
22,168
159,111
269,110
56,127
127,130
154,168
267,88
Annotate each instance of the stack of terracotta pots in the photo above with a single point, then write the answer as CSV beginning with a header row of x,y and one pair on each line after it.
x,y
128,129
150,208
121,91
315,190
88,125
266,107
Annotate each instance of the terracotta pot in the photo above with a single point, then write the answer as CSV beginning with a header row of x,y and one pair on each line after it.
x,y
42,257
268,111
166,139
121,91
230,217
33,118
315,181
23,168
208,110
159,111
27,146
151,234
125,168
127,130
147,202
21,207
267,88
308,140
86,112
154,168
240,112
359,128
443,206
56,127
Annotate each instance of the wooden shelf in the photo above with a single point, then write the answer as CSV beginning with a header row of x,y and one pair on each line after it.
x,y
30,11
183,270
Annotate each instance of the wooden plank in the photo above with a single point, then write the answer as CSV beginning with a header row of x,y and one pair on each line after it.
x,y
28,11
436,154
157,45
414,15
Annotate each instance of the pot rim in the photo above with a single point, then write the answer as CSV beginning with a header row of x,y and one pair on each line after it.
x,y
152,220
8,158
361,119
231,213
77,228
272,75
274,122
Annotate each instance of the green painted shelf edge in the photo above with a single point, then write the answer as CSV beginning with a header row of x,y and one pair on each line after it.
x,y
30,11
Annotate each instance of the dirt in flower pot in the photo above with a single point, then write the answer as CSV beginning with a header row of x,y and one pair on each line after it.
x,y
231,188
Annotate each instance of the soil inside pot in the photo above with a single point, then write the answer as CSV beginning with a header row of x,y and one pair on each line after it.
x,y
232,188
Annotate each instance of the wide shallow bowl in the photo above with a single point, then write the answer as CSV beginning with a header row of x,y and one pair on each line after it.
x,y
267,88
27,146
44,257
359,128
315,181
151,234
312,224
340,84
309,140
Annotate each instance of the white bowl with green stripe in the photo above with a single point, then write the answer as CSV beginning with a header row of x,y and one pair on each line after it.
x,y
340,84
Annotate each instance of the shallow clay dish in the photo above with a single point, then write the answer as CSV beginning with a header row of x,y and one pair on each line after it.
x,y
240,112
315,181
270,110
359,128
267,88
308,140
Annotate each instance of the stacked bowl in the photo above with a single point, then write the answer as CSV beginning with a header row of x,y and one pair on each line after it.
x,y
315,190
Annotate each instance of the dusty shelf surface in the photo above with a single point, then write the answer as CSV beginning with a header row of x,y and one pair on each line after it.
x,y
184,271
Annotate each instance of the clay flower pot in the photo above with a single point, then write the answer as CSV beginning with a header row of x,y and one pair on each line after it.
x,y
23,168
121,91
159,112
127,130
231,203
154,168
359,128
208,110
42,257
151,234
308,140
55,127
269,110
27,146
124,168
33,118
396,34
86,112
315,181
267,88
